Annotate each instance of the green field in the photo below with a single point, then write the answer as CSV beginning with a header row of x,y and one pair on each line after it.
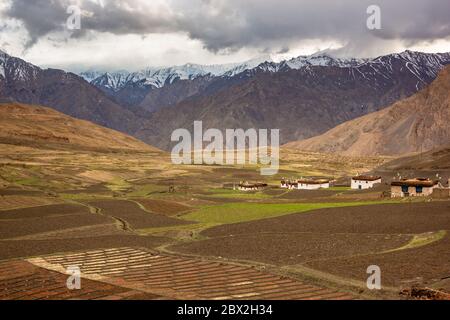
x,y
242,212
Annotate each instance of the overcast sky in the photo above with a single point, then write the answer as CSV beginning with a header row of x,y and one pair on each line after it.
x,y
133,34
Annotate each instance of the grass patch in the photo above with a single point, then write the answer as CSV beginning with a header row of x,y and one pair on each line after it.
x,y
118,185
236,194
84,196
242,212
421,240
340,188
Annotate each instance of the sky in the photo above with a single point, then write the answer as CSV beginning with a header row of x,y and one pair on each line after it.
x,y
135,34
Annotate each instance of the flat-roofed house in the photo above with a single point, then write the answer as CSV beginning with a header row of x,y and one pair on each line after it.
x,y
418,187
313,184
365,182
247,186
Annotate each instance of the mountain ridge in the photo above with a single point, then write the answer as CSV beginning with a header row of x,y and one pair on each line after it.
x,y
34,125
302,102
416,124
67,92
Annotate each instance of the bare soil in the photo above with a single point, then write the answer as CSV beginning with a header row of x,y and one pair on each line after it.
x,y
292,248
42,212
411,218
406,268
134,215
168,208
22,227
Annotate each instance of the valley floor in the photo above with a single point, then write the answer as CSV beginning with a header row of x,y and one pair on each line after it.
x,y
117,218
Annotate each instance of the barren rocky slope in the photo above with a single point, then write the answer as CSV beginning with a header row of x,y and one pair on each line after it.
x,y
417,124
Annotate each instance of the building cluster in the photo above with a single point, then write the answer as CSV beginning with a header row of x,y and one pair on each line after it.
x,y
413,187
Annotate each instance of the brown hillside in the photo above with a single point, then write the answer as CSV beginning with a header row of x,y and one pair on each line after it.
x,y
419,123
23,124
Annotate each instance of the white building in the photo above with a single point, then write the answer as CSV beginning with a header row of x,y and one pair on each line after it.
x,y
313,184
246,186
308,184
365,182
417,187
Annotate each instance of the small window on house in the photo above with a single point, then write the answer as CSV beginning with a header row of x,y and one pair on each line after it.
x,y
419,189
405,189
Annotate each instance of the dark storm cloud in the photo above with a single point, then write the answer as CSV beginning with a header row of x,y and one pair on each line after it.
x,y
233,24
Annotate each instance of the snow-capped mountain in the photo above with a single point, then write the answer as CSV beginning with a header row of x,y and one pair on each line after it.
x,y
66,92
323,59
305,99
16,69
143,88
159,77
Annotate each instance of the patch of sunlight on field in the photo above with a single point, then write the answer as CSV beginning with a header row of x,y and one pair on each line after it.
x,y
241,212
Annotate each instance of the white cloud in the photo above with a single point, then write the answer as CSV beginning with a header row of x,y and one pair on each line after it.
x,y
133,34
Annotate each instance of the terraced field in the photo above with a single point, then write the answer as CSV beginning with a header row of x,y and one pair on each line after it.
x,y
183,278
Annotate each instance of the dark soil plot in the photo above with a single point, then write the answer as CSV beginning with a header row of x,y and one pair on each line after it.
x,y
96,188
295,248
23,227
134,215
43,211
19,192
411,218
420,266
28,248
82,232
164,207
274,192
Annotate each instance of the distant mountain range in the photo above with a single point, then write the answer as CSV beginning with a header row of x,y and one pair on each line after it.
x,y
302,102
64,91
303,97
417,124
130,88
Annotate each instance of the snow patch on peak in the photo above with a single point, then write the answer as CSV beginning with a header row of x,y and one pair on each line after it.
x,y
159,77
323,59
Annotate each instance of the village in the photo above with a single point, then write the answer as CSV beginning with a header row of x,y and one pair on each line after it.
x,y
399,188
